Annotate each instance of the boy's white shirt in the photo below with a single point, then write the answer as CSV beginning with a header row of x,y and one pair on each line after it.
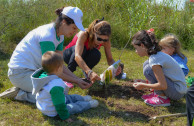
x,y
28,52
171,70
43,98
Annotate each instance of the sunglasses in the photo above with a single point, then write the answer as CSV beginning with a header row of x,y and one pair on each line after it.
x,y
100,39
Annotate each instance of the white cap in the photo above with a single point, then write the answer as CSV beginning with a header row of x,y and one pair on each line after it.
x,y
75,14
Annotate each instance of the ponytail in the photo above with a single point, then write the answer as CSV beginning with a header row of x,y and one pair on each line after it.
x,y
170,40
148,39
62,17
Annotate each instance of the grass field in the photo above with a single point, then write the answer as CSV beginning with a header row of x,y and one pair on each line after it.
x,y
119,105
125,16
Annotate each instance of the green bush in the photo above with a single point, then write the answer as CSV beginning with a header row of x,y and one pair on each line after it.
x,y
125,16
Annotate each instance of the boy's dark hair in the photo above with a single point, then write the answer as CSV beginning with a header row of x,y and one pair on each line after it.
x,y
62,17
148,40
51,61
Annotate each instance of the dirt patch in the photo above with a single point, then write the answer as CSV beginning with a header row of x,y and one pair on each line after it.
x,y
139,109
124,90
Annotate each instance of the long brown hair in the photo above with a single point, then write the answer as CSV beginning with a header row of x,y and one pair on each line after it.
x,y
62,17
99,27
172,41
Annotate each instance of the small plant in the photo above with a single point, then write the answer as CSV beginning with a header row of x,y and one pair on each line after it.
x,y
189,81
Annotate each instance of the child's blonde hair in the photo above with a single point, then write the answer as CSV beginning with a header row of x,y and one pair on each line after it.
x,y
51,61
172,41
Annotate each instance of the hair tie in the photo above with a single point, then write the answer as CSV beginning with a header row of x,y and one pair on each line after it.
x,y
100,20
150,31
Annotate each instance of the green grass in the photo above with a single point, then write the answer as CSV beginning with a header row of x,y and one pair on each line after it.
x,y
126,18
112,110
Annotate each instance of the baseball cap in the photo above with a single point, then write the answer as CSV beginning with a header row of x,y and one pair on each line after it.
x,y
75,14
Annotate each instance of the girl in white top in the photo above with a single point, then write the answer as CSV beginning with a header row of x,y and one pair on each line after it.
x,y
161,70
26,58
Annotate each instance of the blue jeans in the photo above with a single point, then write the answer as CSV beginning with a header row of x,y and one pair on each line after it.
x,y
76,104
170,92
190,105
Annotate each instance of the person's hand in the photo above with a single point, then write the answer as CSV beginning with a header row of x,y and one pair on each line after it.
x,y
83,84
68,120
93,77
138,85
118,70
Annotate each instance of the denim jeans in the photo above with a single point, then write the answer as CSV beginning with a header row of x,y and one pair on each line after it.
x,y
76,104
190,105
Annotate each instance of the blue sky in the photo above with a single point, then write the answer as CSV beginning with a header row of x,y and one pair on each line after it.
x,y
180,3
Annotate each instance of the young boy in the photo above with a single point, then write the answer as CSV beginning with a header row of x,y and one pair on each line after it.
x,y
52,97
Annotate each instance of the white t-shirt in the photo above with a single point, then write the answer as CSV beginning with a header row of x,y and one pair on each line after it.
x,y
43,98
171,70
28,52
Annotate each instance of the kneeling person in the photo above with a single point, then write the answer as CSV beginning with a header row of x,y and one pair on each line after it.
x,y
52,97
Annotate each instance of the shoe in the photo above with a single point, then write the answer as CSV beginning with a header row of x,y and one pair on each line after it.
x,y
93,103
87,98
70,85
153,94
10,93
157,101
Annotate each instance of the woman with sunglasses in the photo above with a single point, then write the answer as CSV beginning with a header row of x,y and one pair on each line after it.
x,y
26,58
83,50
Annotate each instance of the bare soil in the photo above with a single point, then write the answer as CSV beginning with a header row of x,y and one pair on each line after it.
x,y
124,90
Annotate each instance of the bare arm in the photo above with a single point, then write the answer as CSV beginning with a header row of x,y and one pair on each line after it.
x,y
70,77
82,37
161,85
66,71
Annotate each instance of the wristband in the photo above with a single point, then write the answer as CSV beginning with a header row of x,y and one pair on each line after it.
x,y
90,71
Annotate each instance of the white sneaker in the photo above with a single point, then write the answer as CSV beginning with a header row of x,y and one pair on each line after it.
x,y
10,93
87,98
93,103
